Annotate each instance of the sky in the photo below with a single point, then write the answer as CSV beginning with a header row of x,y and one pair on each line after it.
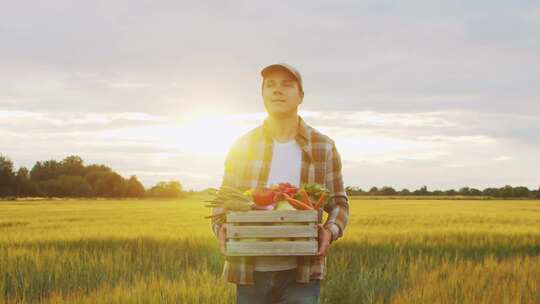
x,y
438,93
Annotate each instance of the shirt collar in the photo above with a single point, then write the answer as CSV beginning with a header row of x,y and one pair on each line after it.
x,y
302,137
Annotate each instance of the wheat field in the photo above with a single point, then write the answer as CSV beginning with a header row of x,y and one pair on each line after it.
x,y
144,251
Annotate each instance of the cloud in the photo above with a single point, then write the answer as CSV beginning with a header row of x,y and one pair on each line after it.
x,y
502,158
402,149
477,139
69,122
443,149
450,125
405,89
416,57
374,119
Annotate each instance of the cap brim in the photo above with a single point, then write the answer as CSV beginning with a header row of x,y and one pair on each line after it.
x,y
284,67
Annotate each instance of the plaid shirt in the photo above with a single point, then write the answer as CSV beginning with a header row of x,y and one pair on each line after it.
x,y
247,166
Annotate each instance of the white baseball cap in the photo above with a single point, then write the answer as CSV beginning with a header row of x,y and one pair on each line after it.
x,y
287,67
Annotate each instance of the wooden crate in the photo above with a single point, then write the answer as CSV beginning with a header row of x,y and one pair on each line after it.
x,y
295,230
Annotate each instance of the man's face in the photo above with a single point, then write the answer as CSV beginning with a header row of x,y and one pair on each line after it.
x,y
281,93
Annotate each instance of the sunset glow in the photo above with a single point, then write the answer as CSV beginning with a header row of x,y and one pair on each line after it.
x,y
152,98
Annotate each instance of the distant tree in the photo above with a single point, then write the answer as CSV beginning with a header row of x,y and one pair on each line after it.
x,y
71,178
37,173
168,189
64,186
475,192
96,168
7,177
43,171
110,184
49,188
437,192
72,165
506,191
404,191
422,191
385,190
451,192
93,177
106,183
52,168
534,193
521,191
74,186
134,187
493,192
464,191
175,187
23,184
373,191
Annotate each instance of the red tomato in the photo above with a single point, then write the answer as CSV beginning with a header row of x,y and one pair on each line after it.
x,y
263,196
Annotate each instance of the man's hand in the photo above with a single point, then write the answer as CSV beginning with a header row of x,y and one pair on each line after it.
x,y
325,236
222,238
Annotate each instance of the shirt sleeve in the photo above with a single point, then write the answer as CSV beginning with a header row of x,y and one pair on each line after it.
x,y
337,205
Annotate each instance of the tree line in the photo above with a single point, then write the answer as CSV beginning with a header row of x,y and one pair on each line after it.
x,y
70,177
502,192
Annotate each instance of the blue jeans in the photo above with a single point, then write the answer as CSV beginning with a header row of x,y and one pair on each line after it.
x,y
273,287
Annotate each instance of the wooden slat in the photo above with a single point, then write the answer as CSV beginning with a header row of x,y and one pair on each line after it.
x,y
273,216
236,248
278,231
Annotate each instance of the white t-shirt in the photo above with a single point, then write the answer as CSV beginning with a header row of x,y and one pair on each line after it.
x,y
285,167
286,163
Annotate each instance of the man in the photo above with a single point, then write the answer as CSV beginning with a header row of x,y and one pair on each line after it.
x,y
284,149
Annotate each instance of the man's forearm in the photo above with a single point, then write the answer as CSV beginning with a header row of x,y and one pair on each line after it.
x,y
338,216
337,206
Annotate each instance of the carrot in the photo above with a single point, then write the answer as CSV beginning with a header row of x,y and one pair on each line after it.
x,y
305,196
296,203
319,202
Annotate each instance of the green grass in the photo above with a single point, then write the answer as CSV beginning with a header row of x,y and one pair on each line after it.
x,y
394,251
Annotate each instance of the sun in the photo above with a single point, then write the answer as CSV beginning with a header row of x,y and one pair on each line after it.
x,y
207,134
210,133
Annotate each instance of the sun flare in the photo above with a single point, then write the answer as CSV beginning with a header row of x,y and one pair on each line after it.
x,y
209,132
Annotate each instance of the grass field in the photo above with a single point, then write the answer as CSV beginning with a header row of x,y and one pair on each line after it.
x,y
394,251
